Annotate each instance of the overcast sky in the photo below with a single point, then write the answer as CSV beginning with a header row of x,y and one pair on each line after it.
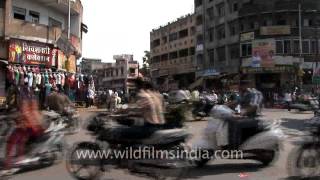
x,y
123,26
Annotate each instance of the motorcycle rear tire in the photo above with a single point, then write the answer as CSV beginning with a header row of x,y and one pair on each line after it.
x,y
295,157
96,173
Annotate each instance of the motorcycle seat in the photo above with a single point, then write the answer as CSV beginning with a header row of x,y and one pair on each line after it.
x,y
166,136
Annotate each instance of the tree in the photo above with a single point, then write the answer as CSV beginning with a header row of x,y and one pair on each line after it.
x,y
145,70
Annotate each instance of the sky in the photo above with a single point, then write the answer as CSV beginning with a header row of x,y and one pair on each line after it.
x,y
124,26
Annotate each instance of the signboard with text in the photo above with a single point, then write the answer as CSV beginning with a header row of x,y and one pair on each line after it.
x,y
31,53
275,30
263,53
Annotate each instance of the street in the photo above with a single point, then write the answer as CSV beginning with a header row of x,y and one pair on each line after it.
x,y
292,123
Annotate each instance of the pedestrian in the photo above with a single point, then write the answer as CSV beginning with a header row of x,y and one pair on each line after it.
x,y
91,95
288,100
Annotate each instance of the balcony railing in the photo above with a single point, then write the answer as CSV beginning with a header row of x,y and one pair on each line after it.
x,y
62,5
38,32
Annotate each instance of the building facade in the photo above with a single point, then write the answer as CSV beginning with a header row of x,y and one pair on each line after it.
x,y
217,36
258,39
279,48
88,65
118,76
172,53
34,33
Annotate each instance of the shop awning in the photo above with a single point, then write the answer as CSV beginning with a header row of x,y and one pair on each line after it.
x,y
197,83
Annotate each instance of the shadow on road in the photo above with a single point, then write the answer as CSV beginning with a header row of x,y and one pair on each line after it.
x,y
299,178
296,124
216,169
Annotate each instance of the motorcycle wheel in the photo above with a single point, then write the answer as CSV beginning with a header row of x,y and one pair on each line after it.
x,y
201,161
304,161
84,168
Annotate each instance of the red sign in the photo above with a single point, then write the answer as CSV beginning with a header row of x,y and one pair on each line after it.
x,y
32,53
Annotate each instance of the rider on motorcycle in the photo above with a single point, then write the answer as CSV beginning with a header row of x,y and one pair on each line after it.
x,y
28,127
146,114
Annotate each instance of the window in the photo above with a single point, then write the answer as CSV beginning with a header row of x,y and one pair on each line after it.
x,y
234,7
233,29
296,47
35,16
193,30
306,47
246,49
210,13
156,43
221,9
200,59
211,57
183,33
19,13
221,53
281,22
306,22
173,55
279,47
55,23
252,25
192,51
173,37
211,34
164,57
287,47
234,51
199,20
184,53
314,46
164,40
221,33
132,70
241,27
198,3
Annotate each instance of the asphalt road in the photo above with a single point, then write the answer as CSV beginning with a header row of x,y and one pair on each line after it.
x,y
219,169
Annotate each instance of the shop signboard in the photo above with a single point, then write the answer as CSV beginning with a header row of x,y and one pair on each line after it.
x,y
248,36
263,53
31,53
261,70
275,30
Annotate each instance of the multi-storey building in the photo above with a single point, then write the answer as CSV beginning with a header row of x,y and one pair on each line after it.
x,y
258,39
37,33
172,53
117,76
217,36
279,45
88,65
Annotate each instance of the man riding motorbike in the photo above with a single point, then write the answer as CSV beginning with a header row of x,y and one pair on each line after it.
x,y
250,102
144,117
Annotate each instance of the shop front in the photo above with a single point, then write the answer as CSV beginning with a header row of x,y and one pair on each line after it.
x,y
269,80
39,67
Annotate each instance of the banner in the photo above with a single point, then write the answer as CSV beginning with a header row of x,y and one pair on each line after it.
x,y
61,60
71,64
31,53
263,52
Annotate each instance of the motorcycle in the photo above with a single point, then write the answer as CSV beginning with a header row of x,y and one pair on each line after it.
x,y
41,152
159,168
258,140
303,161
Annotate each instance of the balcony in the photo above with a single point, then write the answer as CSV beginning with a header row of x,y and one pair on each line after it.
x,y
63,6
42,33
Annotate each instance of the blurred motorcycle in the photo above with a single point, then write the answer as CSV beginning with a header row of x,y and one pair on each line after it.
x,y
41,152
303,160
159,167
257,140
